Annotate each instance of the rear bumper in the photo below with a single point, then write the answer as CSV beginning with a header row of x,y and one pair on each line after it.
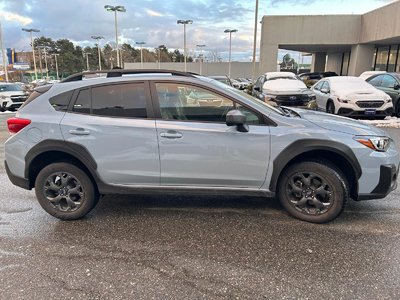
x,y
387,183
18,181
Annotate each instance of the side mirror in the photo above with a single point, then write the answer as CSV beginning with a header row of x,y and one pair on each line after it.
x,y
325,91
237,118
257,88
397,86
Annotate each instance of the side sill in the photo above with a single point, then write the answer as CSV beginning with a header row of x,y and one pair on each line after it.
x,y
105,189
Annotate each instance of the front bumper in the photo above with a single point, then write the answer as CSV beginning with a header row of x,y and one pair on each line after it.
x,y
387,183
349,112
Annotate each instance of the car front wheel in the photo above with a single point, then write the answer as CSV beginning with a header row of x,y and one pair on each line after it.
x,y
313,191
65,191
330,108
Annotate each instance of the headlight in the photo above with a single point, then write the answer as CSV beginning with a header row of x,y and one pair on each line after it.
x,y
377,143
343,100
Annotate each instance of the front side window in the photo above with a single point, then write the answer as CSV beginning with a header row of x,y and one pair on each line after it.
x,y
318,86
388,81
376,81
190,103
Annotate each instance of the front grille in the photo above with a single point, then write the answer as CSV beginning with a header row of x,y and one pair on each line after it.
x,y
369,104
18,98
294,100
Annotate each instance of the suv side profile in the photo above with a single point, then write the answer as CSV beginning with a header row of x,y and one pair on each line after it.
x,y
157,131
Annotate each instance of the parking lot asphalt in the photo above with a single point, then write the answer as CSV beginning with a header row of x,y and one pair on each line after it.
x,y
144,247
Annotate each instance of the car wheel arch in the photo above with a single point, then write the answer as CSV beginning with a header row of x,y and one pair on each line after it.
x,y
52,151
334,153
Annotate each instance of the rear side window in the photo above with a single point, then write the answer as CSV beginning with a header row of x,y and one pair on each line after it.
x,y
61,101
120,100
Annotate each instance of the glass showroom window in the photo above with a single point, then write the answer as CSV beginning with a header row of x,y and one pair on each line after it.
x,y
382,59
392,58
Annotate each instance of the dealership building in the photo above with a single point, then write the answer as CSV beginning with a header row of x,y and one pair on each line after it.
x,y
345,44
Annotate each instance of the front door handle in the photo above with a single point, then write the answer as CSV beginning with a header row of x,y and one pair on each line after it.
x,y
171,134
79,131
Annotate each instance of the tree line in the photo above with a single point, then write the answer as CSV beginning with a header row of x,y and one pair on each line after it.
x,y
71,58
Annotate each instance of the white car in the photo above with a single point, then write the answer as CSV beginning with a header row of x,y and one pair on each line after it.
x,y
367,74
352,97
12,96
282,88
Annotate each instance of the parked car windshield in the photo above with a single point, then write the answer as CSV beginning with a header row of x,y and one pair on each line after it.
x,y
10,88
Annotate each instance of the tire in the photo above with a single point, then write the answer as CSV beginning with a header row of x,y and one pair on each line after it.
x,y
65,191
330,108
313,191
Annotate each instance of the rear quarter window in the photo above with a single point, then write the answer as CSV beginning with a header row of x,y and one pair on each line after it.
x,y
61,101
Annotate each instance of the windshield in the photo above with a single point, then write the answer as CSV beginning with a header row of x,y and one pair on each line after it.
x,y
10,88
241,94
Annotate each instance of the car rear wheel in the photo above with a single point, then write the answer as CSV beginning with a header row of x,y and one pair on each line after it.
x,y
313,191
330,108
65,191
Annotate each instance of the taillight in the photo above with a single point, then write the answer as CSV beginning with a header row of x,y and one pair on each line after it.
x,y
16,124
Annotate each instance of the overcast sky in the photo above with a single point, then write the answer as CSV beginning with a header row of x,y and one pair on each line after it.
x,y
154,21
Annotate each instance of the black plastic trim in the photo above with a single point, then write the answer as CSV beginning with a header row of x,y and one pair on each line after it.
x,y
75,150
18,181
387,183
306,145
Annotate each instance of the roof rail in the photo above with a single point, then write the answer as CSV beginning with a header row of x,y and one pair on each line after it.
x,y
120,72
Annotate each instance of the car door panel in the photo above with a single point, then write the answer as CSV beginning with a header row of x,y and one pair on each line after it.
x,y
208,154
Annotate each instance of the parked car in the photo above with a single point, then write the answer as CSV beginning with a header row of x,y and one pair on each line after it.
x,y
367,74
237,84
352,97
390,84
282,88
12,96
222,78
311,78
244,81
80,139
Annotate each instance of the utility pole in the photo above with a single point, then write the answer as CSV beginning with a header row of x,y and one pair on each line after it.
x,y
55,58
87,60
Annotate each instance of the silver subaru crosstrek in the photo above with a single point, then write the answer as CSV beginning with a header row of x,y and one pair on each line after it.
x,y
159,131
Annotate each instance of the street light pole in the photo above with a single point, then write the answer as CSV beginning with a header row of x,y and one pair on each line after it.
x,y
141,52
55,58
255,41
184,22
159,55
116,9
98,38
230,48
2,54
201,57
33,48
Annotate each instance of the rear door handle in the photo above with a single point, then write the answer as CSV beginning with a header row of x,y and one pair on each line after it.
x,y
171,134
79,131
